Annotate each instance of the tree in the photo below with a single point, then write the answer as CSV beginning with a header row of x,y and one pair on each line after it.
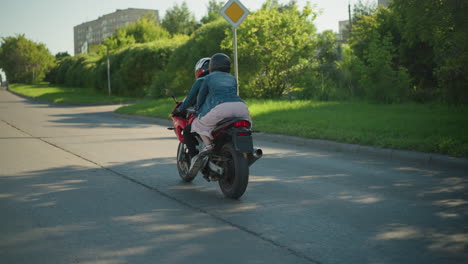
x,y
327,47
363,9
179,20
273,46
178,75
213,11
23,60
146,29
61,55
375,42
434,43
382,80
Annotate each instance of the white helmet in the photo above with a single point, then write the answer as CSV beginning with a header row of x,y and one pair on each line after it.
x,y
201,68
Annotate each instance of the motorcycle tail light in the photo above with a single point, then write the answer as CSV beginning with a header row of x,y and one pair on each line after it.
x,y
242,123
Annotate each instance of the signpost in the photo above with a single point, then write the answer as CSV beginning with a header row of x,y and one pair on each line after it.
x,y
234,12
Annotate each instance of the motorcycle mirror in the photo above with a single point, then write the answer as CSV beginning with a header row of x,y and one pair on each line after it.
x,y
170,93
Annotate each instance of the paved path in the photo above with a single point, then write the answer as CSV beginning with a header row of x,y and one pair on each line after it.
x,y
79,185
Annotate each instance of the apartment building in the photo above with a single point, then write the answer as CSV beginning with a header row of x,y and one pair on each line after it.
x,y
343,31
383,2
344,26
94,32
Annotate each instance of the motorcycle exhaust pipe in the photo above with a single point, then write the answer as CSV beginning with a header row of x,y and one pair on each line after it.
x,y
256,155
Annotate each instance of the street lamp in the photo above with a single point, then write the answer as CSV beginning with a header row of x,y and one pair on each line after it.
x,y
108,72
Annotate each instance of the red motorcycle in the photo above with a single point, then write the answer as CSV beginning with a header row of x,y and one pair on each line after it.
x,y
232,155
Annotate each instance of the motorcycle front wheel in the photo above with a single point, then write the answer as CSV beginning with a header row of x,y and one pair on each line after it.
x,y
183,162
236,172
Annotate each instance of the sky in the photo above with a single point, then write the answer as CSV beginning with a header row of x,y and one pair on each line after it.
x,y
51,21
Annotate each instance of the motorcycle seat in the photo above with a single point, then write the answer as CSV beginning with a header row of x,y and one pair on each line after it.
x,y
226,122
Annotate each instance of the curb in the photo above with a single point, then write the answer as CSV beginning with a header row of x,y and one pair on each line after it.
x,y
428,159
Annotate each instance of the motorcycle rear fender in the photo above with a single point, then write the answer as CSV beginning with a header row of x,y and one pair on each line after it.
x,y
243,143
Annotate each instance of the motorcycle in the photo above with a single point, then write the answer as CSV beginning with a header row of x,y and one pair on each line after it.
x,y
232,155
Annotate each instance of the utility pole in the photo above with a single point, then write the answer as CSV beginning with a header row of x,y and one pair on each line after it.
x,y
108,72
350,21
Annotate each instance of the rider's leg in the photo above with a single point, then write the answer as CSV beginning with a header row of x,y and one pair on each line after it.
x,y
207,141
190,141
196,162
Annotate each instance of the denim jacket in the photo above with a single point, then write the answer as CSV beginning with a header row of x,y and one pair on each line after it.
x,y
218,88
191,98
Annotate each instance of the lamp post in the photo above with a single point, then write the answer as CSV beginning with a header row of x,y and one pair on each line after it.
x,y
108,72
33,66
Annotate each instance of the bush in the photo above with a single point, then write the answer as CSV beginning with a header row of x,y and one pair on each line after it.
x,y
133,69
379,80
78,71
347,78
81,72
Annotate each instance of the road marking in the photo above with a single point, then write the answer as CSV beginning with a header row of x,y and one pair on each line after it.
x,y
219,218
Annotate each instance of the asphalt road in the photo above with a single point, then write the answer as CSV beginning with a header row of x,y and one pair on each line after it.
x,y
80,185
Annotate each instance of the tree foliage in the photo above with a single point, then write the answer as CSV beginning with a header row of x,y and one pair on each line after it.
x,y
427,40
145,30
179,20
412,50
212,11
178,76
381,77
273,45
23,60
61,55
435,34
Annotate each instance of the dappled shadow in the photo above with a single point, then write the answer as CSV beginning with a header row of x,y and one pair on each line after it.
x,y
324,193
76,214
326,205
98,119
418,212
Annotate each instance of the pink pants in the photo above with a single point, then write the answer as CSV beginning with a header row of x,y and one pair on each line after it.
x,y
204,125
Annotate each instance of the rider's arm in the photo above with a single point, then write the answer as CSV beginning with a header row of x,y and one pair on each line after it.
x,y
202,95
192,96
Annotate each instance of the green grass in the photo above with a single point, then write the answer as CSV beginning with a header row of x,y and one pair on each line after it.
x,y
60,94
428,128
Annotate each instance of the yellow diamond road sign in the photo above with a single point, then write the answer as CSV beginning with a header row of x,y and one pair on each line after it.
x,y
234,12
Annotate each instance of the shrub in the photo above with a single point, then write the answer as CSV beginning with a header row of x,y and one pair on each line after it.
x,y
379,79
133,69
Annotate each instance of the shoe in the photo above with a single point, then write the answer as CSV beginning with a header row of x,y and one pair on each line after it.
x,y
206,150
196,164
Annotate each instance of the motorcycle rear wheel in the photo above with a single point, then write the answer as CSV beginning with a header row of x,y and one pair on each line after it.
x,y
183,162
236,172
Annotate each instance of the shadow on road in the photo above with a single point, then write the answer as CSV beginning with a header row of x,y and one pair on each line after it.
x,y
411,213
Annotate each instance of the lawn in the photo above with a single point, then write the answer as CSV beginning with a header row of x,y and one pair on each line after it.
x,y
66,95
421,127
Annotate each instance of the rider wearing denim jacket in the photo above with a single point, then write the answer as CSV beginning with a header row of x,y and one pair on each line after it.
x,y
217,100
216,89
